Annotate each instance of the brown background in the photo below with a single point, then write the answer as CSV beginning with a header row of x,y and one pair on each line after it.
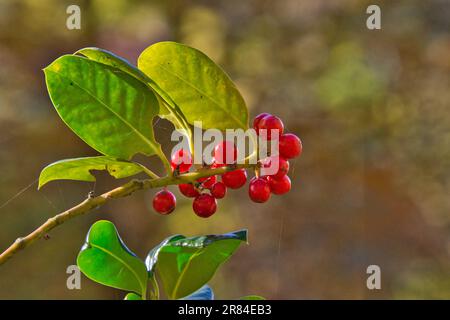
x,y
372,109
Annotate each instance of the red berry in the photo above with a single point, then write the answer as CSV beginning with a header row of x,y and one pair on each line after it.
x,y
271,123
218,190
188,190
257,119
290,146
283,166
279,186
164,202
207,182
235,179
182,160
204,205
259,190
225,153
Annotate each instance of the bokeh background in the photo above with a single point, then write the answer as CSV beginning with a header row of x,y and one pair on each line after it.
x,y
372,109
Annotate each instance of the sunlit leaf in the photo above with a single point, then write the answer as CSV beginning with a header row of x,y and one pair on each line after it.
x,y
80,169
167,108
201,89
106,107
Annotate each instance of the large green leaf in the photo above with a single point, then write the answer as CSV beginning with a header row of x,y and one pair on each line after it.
x,y
106,107
186,264
80,169
201,89
105,259
152,256
168,109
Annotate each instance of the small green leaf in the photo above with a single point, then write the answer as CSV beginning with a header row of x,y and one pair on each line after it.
x,y
106,107
104,258
168,109
186,264
132,296
79,169
204,293
201,89
252,297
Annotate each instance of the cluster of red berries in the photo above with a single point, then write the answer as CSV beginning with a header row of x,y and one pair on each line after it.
x,y
207,190
289,146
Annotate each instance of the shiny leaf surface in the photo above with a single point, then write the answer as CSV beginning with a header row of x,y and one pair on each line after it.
x,y
186,264
204,293
104,258
167,108
201,89
106,107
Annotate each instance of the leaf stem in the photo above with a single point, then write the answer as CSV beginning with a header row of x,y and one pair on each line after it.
x,y
174,110
165,162
149,172
155,287
144,293
182,122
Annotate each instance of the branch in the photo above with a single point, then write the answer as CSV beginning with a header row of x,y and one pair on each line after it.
x,y
92,203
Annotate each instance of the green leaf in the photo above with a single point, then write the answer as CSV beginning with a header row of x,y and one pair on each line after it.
x,y
186,264
104,258
132,296
167,108
152,256
106,107
201,89
113,60
252,297
80,169
204,293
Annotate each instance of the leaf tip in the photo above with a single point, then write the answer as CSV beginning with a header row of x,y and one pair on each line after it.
x,y
41,181
242,235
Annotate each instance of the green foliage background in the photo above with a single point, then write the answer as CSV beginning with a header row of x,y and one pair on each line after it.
x,y
371,107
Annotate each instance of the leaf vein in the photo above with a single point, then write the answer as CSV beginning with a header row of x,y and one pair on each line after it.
x,y
203,93
137,132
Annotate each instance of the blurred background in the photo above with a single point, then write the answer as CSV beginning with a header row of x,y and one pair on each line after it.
x,y
371,106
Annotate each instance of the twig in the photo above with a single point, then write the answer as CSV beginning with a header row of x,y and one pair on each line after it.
x,y
92,203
